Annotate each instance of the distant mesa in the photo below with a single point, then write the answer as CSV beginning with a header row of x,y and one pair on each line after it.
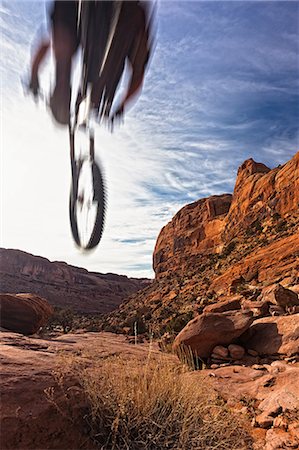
x,y
64,285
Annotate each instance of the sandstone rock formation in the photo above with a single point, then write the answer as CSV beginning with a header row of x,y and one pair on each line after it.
x,y
274,262
278,295
221,248
24,313
261,193
208,330
64,285
261,197
269,394
194,230
227,305
274,335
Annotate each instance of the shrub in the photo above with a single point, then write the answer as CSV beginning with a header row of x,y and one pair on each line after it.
x,y
155,405
282,225
63,318
178,323
254,229
227,249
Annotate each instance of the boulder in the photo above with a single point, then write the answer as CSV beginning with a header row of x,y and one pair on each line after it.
x,y
276,310
258,308
209,330
24,313
236,351
228,305
221,351
278,295
273,335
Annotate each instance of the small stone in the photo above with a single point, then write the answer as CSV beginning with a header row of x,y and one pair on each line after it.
x,y
264,421
236,351
259,367
221,351
280,422
280,365
252,352
214,366
219,358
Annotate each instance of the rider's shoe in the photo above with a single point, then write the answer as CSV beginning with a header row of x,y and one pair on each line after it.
x,y
60,105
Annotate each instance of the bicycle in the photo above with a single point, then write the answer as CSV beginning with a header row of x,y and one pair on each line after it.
x,y
87,200
111,33
88,193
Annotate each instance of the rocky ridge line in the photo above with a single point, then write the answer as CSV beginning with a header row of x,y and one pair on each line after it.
x,y
64,285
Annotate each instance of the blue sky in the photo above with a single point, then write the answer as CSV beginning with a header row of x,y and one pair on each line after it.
x,y
222,87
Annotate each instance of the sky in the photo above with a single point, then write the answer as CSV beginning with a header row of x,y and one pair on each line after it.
x,y
222,87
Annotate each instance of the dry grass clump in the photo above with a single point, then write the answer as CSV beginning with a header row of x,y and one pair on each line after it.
x,y
155,405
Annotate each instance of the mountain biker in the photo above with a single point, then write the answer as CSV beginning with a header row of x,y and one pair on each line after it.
x,y
130,41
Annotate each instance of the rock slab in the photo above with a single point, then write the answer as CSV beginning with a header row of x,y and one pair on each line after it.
x,y
273,335
278,295
209,330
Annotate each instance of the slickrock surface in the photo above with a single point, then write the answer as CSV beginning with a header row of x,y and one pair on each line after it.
x,y
35,411
28,366
64,285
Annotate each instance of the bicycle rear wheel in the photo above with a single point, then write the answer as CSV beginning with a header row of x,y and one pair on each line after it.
x,y
87,204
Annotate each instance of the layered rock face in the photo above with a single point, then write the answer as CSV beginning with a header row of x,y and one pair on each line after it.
x,y
196,229
261,197
261,193
64,285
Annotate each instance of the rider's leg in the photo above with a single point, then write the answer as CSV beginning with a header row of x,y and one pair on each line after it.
x,y
65,43
64,49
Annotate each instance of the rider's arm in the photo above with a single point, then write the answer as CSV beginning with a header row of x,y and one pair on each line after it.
x,y
35,64
138,59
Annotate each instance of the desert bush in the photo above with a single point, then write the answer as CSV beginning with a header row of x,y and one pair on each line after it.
x,y
136,322
63,318
155,405
282,225
177,323
229,248
254,229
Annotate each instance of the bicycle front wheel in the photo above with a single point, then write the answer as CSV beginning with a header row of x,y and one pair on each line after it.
x,y
87,204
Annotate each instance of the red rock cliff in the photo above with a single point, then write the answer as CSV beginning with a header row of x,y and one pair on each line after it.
x,y
208,225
